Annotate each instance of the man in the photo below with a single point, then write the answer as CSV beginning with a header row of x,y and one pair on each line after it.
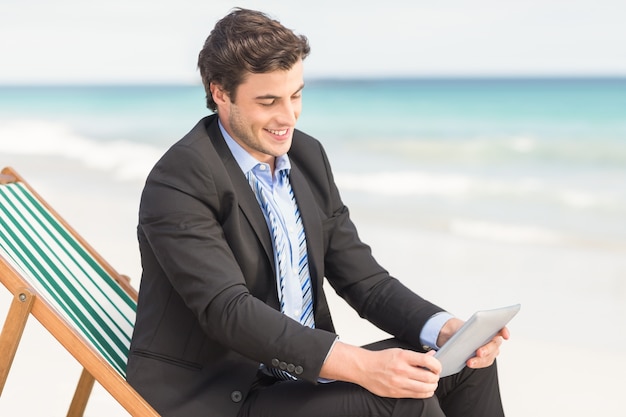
x,y
239,224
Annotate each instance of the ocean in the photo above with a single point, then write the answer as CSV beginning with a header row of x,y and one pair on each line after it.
x,y
524,160
477,193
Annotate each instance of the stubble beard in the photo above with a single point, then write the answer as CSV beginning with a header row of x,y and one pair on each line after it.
x,y
244,134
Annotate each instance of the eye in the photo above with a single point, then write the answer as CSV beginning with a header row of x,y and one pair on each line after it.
x,y
267,103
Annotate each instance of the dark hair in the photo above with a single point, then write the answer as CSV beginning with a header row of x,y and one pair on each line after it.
x,y
247,41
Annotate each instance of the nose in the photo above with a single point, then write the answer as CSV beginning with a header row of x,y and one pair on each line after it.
x,y
289,112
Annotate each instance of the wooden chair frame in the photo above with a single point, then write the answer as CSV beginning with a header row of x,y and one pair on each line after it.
x,y
26,301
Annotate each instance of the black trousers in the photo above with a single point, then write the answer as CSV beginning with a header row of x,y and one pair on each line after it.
x,y
470,393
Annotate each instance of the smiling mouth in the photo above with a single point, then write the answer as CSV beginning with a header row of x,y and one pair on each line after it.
x,y
278,132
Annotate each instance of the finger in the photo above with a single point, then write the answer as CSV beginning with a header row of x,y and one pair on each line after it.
x,y
483,361
492,346
423,391
432,363
415,358
424,374
420,367
425,360
420,389
505,333
485,356
490,350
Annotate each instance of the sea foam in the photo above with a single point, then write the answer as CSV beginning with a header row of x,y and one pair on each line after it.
x,y
467,186
502,232
125,160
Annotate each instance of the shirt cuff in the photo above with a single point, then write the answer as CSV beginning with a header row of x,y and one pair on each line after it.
x,y
324,380
430,331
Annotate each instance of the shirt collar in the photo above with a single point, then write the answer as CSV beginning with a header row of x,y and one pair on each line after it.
x,y
246,161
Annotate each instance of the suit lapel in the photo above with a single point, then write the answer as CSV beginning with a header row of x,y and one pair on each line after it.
x,y
245,196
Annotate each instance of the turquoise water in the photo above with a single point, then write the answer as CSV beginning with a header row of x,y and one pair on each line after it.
x,y
538,160
438,108
464,108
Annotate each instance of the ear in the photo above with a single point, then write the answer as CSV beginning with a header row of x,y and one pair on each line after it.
x,y
219,95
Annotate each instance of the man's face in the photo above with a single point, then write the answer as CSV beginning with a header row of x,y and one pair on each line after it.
x,y
263,116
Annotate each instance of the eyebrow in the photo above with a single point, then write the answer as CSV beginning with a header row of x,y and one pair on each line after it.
x,y
273,97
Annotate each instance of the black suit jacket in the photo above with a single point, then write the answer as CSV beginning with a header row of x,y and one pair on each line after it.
x,y
208,311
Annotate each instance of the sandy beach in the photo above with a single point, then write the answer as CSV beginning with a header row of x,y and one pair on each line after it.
x,y
566,356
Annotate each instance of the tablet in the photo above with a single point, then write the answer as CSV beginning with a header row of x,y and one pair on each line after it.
x,y
476,332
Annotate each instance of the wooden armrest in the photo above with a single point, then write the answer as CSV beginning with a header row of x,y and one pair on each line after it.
x,y
7,179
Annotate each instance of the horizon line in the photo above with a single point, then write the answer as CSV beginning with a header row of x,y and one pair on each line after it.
x,y
314,79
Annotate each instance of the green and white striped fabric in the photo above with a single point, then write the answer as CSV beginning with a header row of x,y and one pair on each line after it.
x,y
63,272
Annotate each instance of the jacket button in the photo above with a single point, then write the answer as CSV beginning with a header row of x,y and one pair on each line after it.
x,y
291,367
236,396
299,370
282,365
275,362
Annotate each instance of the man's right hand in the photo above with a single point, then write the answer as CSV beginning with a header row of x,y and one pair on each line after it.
x,y
394,373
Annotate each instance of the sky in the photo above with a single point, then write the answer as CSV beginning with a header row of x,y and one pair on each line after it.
x,y
157,41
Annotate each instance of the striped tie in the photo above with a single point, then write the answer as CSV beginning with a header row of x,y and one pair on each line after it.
x,y
281,248
306,318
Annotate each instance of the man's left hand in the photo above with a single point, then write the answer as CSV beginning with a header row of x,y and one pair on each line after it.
x,y
486,354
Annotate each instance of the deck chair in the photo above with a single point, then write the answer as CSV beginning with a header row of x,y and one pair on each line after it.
x,y
74,293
